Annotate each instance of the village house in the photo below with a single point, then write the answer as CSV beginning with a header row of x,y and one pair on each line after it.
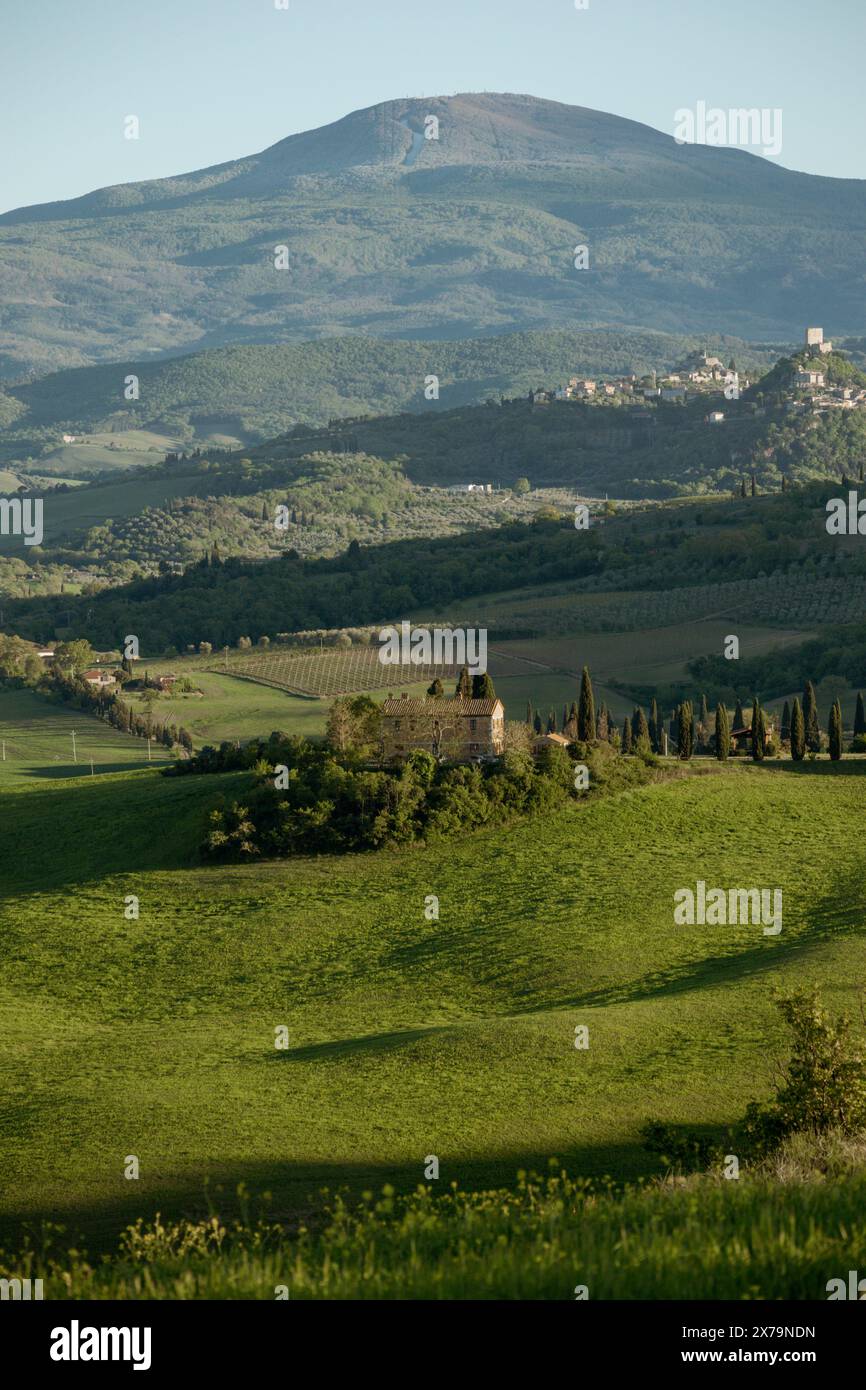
x,y
806,377
98,676
458,729
551,740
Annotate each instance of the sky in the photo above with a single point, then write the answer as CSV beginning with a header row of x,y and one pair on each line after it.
x,y
211,80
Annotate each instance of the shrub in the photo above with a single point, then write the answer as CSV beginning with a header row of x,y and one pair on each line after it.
x,y
822,1087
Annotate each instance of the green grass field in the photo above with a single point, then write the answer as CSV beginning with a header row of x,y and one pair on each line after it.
x,y
36,742
156,1037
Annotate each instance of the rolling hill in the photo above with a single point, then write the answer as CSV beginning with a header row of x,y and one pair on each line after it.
x,y
406,1037
390,234
256,391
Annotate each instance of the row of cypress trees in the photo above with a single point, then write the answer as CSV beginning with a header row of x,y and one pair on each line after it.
x,y
799,725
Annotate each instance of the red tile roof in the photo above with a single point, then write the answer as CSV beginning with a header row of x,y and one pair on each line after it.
x,y
453,706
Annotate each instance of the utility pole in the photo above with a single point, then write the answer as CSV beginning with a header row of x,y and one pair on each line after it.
x,y
226,652
91,768
148,748
74,750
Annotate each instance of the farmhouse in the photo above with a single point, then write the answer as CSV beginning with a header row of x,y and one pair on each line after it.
x,y
449,728
98,676
550,740
741,738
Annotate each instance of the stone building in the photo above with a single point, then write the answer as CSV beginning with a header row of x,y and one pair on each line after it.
x,y
461,730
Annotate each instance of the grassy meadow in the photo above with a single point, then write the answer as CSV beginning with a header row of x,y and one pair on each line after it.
x,y
36,742
406,1037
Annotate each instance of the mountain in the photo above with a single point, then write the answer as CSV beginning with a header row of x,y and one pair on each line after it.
x,y
391,234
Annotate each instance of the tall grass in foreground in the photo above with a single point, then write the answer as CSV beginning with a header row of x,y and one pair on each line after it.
x,y
781,1233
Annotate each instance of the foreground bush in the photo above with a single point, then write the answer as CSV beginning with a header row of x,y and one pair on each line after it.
x,y
780,1233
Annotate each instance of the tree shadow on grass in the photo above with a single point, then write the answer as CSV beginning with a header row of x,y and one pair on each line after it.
x,y
840,914
292,1193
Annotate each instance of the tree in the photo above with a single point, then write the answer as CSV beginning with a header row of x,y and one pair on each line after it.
x,y
586,709
536,723
860,715
625,743
739,716
551,721
436,690
810,719
759,731
482,687
798,733
785,731
654,726
74,656
521,487
723,733
205,648
602,724
639,726
463,690
834,731
685,730
822,1087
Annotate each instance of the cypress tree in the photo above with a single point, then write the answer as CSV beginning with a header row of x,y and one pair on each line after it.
x,y
810,719
639,726
551,722
536,723
738,716
482,687
798,733
586,709
723,733
704,715
860,715
834,731
625,742
463,690
436,690
603,724
785,732
685,730
758,729
655,729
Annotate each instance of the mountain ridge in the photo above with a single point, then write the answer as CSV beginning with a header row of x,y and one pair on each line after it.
x,y
389,234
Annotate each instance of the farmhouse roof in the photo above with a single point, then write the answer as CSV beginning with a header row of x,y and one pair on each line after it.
x,y
471,708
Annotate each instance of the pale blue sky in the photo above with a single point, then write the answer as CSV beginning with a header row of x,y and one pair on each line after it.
x,y
214,79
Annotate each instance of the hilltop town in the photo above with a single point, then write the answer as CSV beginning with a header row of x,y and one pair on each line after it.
x,y
813,379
